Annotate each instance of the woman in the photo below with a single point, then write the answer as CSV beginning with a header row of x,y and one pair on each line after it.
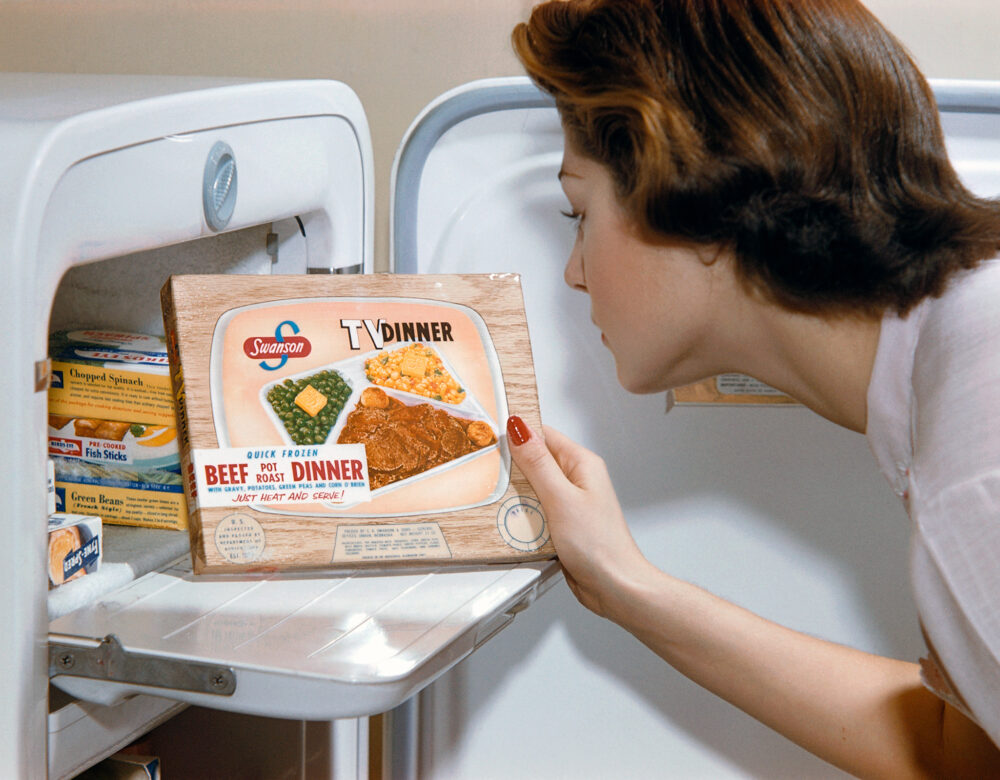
x,y
762,187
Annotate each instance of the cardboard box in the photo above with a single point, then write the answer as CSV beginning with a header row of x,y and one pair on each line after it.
x,y
729,389
109,375
50,485
352,421
112,429
124,766
75,547
121,496
130,444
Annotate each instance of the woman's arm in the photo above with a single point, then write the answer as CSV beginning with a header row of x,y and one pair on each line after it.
x,y
868,715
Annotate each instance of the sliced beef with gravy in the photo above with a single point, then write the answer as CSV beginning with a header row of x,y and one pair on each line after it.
x,y
401,441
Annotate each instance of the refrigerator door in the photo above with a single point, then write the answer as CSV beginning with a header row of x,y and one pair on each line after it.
x,y
773,508
970,117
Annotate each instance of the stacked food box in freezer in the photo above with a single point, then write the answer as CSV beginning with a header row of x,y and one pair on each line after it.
x,y
112,431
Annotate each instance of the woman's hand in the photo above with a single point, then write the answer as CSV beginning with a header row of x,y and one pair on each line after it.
x,y
588,529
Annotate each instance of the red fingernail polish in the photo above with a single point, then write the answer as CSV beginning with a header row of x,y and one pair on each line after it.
x,y
517,431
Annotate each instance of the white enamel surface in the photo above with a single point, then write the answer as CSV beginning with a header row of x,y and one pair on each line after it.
x,y
307,647
973,142
773,508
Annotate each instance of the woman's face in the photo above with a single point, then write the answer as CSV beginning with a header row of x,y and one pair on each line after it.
x,y
659,305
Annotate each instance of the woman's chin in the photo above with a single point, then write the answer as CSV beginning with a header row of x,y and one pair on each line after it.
x,y
649,382
640,385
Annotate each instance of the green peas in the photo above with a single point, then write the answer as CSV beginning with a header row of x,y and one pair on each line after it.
x,y
303,429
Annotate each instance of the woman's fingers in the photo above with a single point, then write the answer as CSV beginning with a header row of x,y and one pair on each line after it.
x,y
532,455
588,529
554,464
582,467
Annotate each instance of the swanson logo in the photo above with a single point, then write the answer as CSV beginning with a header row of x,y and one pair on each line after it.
x,y
278,347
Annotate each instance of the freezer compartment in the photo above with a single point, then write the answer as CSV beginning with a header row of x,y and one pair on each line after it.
x,y
81,733
113,184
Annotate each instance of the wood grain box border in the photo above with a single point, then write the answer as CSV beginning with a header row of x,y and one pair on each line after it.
x,y
192,307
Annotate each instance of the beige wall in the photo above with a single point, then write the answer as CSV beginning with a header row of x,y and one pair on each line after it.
x,y
397,54
948,38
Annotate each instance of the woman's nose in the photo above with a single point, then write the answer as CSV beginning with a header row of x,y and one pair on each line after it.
x,y
573,273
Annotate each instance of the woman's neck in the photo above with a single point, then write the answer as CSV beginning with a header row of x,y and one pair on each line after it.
x,y
823,362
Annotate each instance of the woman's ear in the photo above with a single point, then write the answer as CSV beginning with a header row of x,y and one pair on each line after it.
x,y
710,254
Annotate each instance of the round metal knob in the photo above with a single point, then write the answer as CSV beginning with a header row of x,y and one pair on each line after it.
x,y
219,186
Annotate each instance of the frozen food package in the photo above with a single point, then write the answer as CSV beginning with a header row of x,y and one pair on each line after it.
x,y
50,485
114,443
352,421
122,495
110,375
75,548
112,433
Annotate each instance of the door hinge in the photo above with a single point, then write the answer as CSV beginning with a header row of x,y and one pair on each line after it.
x,y
347,269
43,375
271,246
106,659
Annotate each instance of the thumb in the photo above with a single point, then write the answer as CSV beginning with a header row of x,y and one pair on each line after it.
x,y
532,456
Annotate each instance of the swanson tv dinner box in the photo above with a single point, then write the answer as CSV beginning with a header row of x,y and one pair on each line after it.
x,y
339,422
112,431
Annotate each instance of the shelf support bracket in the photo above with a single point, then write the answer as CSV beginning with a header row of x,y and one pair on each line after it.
x,y
106,659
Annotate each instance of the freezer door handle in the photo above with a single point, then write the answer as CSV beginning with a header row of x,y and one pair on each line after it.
x,y
494,625
490,628
106,659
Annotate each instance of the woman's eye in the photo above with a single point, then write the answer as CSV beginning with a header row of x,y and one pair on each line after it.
x,y
575,216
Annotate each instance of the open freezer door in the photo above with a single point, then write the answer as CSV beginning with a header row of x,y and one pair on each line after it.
x,y
311,648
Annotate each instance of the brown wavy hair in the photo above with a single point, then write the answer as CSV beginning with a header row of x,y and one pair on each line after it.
x,y
797,133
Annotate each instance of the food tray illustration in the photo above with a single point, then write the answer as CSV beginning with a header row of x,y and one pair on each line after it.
x,y
414,377
435,425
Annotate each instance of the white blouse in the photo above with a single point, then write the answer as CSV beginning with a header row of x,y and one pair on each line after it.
x,y
934,427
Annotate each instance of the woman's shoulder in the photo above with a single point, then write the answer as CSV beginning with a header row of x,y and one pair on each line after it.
x,y
971,298
956,370
960,330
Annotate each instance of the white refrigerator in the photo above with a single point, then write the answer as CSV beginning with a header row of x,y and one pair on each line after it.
x,y
111,184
